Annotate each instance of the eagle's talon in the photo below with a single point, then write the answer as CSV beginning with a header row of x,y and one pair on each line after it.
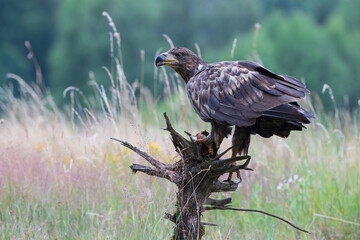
x,y
238,175
233,182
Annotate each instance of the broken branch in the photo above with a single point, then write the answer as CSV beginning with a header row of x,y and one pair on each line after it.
x,y
158,172
218,202
257,211
225,169
224,186
225,162
143,154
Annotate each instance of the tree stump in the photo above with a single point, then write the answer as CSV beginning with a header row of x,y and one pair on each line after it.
x,y
196,175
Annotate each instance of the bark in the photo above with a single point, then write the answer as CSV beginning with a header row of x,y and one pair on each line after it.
x,y
197,176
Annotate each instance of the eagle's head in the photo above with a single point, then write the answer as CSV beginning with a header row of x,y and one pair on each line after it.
x,y
182,60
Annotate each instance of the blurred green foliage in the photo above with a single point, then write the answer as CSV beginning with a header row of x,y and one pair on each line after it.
x,y
312,40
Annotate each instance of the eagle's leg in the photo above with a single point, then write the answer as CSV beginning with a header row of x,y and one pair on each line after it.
x,y
218,133
240,142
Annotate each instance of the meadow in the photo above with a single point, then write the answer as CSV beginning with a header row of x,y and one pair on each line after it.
x,y
62,177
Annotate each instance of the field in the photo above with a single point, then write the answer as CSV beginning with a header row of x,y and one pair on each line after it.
x,y
61,177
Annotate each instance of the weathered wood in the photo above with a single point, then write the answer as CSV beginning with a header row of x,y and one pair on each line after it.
x,y
224,186
197,176
218,203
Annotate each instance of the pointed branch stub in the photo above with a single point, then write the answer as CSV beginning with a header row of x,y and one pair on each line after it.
x,y
197,176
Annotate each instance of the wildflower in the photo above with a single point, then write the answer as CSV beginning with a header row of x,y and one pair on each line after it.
x,y
67,160
155,148
40,147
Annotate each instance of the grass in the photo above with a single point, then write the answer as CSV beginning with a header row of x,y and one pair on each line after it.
x,y
61,177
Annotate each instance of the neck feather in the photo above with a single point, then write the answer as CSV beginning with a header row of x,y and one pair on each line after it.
x,y
189,69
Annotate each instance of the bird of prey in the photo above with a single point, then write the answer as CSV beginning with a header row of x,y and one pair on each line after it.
x,y
243,94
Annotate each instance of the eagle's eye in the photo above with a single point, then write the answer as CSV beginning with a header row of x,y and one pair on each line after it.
x,y
178,54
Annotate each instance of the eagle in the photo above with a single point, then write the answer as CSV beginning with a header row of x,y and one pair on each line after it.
x,y
243,94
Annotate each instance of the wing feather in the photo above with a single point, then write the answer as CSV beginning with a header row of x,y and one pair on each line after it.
x,y
289,91
236,93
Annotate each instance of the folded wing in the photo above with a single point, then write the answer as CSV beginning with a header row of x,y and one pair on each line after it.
x,y
240,93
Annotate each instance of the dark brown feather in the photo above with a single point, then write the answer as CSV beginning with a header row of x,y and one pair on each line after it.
x,y
244,94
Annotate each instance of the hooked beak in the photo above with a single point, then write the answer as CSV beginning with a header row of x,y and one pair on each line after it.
x,y
165,59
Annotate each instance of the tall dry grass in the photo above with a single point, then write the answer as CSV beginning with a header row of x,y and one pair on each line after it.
x,y
61,177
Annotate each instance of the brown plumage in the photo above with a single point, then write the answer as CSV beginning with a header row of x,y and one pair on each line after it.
x,y
243,94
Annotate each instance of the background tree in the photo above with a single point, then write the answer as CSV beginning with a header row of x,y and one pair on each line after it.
x,y
314,40
21,21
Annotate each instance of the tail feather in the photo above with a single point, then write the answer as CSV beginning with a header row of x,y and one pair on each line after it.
x,y
281,120
289,112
